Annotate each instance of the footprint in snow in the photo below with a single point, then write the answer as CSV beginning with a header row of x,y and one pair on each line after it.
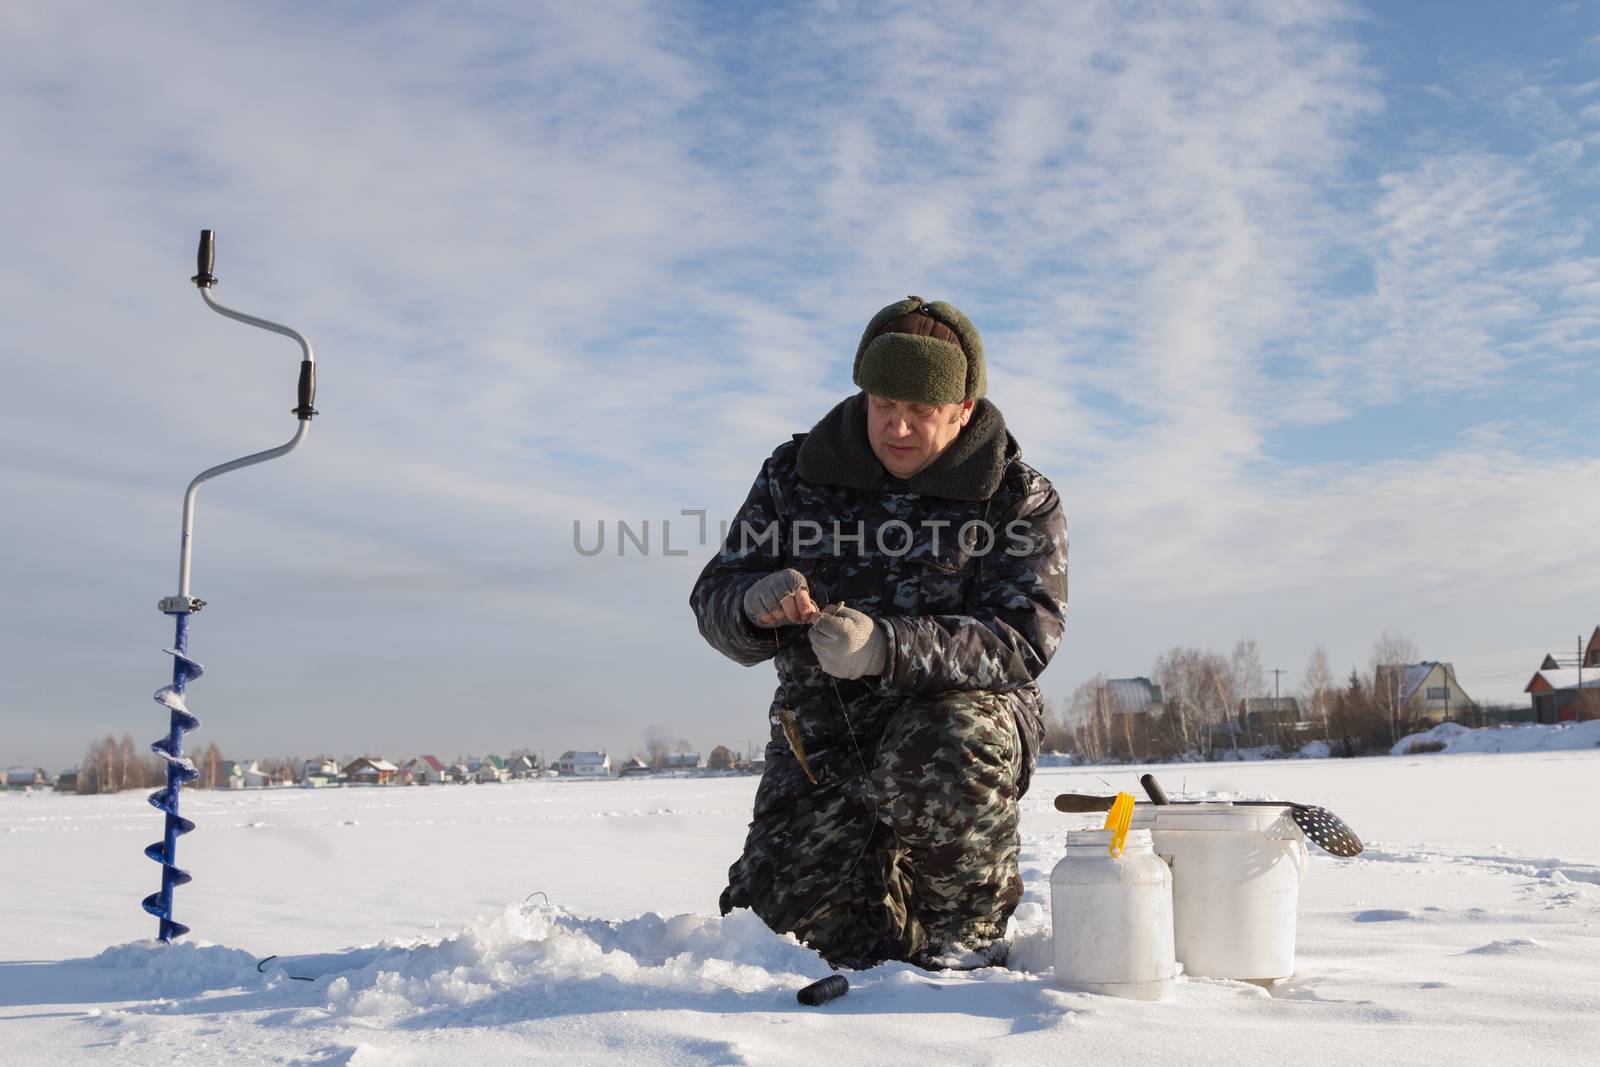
x,y
1381,915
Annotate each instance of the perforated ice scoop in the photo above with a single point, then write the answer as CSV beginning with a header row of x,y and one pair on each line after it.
x,y
1321,826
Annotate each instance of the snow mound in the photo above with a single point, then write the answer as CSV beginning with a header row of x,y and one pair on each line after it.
x,y
1567,736
534,961
1032,948
539,961
180,969
1514,946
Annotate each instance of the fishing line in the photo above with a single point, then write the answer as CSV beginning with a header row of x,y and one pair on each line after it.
x,y
872,795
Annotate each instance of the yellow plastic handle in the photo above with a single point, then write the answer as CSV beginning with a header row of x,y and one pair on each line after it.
x,y
1118,820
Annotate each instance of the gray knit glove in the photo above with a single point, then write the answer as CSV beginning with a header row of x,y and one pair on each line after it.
x,y
848,643
779,599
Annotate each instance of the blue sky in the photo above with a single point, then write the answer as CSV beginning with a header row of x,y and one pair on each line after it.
x,y
1295,303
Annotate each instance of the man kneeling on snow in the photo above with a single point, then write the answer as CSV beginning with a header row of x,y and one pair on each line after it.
x,y
907,573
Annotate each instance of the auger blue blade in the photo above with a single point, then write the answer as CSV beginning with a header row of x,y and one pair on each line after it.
x,y
192,668
169,697
180,771
161,801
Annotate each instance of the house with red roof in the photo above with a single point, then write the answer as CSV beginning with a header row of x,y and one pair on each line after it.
x,y
424,770
1566,692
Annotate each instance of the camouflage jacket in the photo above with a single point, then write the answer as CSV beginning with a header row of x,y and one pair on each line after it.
x,y
963,566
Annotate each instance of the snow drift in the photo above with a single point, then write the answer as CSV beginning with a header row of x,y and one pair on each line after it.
x,y
1556,737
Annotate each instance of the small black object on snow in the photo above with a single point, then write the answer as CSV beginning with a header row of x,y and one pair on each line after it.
x,y
820,992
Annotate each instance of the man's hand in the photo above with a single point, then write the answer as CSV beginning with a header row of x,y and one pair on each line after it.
x,y
780,599
848,643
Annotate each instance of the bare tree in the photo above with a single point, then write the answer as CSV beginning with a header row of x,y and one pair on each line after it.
x,y
89,770
1058,732
657,746
110,778
1249,679
210,767
281,769
1180,675
1317,688
1390,656
137,771
1086,712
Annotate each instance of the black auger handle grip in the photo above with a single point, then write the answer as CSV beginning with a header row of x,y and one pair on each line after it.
x,y
1079,802
205,259
308,391
1153,789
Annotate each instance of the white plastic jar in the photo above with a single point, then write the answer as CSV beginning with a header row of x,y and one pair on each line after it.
x,y
1111,917
1236,874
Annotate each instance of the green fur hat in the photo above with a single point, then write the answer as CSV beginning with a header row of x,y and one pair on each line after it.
x,y
921,353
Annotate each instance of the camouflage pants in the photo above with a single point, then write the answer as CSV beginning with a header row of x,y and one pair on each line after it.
x,y
920,848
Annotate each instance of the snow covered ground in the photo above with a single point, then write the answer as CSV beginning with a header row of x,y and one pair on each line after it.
x,y
1469,931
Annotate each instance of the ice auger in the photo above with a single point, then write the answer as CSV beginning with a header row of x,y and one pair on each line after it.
x,y
180,768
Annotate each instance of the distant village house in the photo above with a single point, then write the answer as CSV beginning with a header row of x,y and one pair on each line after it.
x,y
425,770
1275,719
369,770
584,765
1131,696
1564,694
26,778
1429,690
319,771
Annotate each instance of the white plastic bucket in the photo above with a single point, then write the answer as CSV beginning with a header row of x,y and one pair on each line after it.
x,y
1111,917
1236,874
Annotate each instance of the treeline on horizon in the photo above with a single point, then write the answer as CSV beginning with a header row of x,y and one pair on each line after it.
x,y
110,766
1200,715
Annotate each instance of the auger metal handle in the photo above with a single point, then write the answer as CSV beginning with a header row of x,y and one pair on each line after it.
x,y
1153,789
204,279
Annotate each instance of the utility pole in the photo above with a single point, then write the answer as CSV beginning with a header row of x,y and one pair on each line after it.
x,y
1277,706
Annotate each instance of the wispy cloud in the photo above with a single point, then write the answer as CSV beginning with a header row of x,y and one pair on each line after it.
x,y
595,261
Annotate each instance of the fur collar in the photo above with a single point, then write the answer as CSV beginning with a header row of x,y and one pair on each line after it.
x,y
837,452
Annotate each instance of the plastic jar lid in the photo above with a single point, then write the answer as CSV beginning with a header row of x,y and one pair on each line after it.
x,y
1101,839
